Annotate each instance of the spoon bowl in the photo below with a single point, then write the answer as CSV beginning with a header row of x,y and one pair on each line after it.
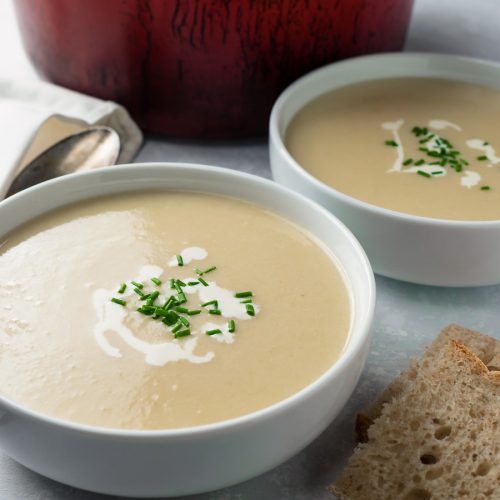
x,y
92,148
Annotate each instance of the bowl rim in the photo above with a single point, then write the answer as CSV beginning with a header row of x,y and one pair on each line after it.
x,y
276,139
353,348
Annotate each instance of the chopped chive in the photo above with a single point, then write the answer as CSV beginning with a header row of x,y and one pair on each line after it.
x,y
194,312
156,281
485,188
181,298
209,270
183,320
152,297
419,162
231,326
170,318
180,261
198,271
122,288
210,302
169,303
213,332
147,310
464,162
250,309
202,281
140,286
180,282
486,143
216,312
243,295
138,291
171,283
246,301
183,310
482,158
409,161
159,311
422,173
179,326
437,172
193,283
182,333
425,150
391,143
118,301
145,297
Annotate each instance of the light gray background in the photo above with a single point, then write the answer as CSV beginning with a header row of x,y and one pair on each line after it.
x,y
407,316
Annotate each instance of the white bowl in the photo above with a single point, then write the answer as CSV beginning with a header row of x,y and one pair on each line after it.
x,y
192,460
406,247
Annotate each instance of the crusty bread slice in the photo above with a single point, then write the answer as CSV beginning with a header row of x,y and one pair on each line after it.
x,y
486,348
437,439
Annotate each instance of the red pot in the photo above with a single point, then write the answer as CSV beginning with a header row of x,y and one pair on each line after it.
x,y
208,68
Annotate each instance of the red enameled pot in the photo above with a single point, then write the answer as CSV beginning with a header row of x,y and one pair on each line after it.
x,y
201,68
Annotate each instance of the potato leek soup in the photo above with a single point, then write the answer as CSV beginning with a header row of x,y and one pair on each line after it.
x,y
164,310
420,146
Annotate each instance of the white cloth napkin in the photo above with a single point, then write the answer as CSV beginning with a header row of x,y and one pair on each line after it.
x,y
25,106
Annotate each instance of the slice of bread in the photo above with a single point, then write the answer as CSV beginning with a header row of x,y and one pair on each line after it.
x,y
437,437
486,348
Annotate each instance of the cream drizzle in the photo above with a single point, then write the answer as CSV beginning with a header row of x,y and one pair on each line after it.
x,y
111,318
442,124
470,178
188,255
394,128
488,150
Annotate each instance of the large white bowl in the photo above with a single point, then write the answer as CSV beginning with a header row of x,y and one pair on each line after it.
x,y
179,462
406,247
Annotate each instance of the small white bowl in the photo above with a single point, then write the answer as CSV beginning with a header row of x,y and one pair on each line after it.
x,y
402,246
192,460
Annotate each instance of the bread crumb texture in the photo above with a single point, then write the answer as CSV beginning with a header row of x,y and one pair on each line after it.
x,y
435,435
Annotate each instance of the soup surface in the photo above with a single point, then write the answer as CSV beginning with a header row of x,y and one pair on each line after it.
x,y
259,310
421,146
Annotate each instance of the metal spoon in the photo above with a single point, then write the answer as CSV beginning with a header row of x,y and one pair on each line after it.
x,y
92,148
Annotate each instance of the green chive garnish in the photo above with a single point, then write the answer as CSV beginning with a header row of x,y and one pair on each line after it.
x,y
409,161
152,297
210,302
194,312
181,298
422,173
171,283
391,143
118,301
122,288
184,321
419,162
139,292
202,281
171,318
169,303
482,158
140,286
485,188
180,283
486,143
216,312
246,301
180,261
242,295
199,272
183,310
179,326
156,281
213,332
437,172
231,326
182,333
250,309
193,283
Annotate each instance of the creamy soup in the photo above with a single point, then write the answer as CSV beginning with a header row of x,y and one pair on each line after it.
x,y
415,145
165,310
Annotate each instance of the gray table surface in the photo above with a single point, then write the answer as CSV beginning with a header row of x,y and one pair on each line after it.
x,y
407,316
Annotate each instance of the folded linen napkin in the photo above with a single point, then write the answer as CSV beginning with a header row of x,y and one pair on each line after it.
x,y
34,115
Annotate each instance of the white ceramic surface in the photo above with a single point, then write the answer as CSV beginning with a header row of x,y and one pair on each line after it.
x,y
406,247
177,462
